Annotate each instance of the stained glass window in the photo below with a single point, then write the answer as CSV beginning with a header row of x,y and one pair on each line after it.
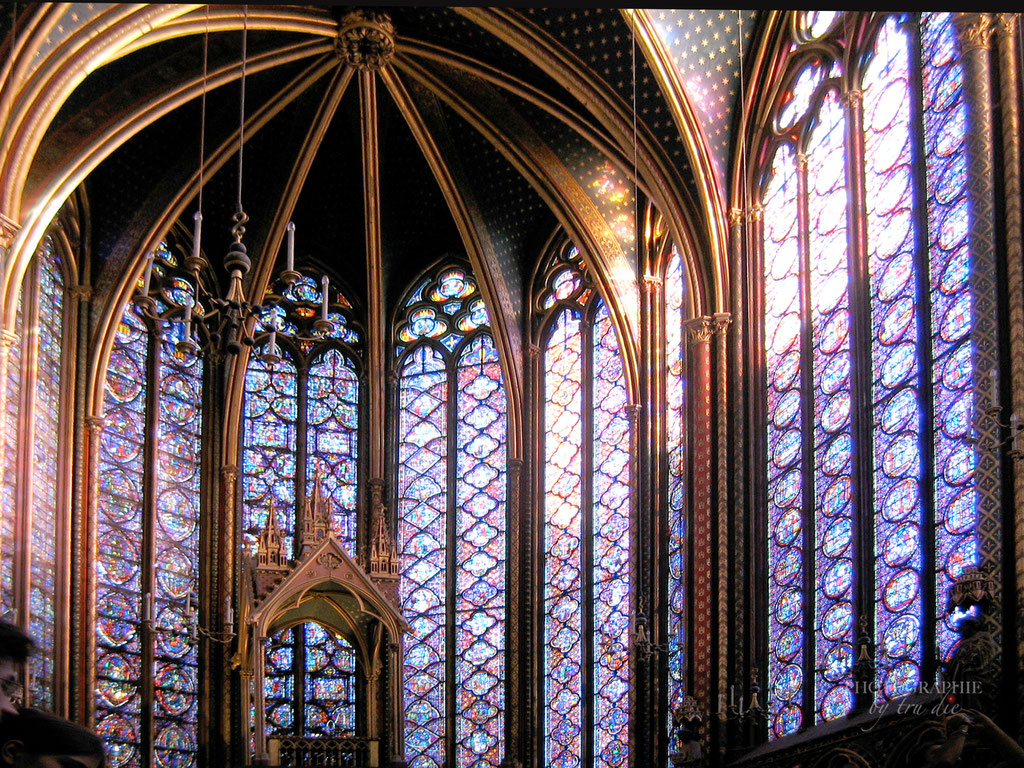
x,y
587,482
31,480
917,307
45,475
300,428
451,524
12,414
32,494
675,436
148,542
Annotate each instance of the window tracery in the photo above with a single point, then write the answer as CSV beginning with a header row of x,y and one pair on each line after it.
x,y
146,698
911,292
587,529
451,494
32,486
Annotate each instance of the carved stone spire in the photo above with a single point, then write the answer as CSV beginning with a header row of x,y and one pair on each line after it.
x,y
316,521
383,553
383,565
271,563
270,545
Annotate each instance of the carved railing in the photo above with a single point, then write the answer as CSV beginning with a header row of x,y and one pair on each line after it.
x,y
318,752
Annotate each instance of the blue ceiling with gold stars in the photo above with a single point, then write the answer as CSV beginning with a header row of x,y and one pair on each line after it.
x,y
705,47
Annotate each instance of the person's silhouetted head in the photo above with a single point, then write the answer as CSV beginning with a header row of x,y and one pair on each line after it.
x,y
15,648
35,739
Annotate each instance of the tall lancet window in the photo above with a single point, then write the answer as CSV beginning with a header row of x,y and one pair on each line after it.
x,y
34,492
675,444
451,494
883,319
300,439
147,537
587,514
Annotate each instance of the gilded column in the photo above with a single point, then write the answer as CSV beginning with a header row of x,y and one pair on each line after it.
x,y
721,322
513,608
651,533
227,589
87,597
701,330
861,398
366,41
1010,94
974,32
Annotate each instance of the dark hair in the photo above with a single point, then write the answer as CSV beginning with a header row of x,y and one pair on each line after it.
x,y
15,645
42,733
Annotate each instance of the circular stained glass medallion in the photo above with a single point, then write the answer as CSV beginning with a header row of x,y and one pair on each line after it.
x,y
837,537
174,689
787,528
901,590
788,683
900,411
899,363
836,703
789,606
836,375
901,680
115,617
838,579
788,644
961,513
901,636
124,376
901,545
787,720
837,621
118,557
900,500
786,370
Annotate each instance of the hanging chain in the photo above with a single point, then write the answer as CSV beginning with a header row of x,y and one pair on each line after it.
x,y
202,112
238,230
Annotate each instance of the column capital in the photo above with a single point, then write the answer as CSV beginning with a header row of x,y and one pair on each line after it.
x,y
722,321
532,351
974,30
8,229
700,328
8,339
1007,23
854,97
81,292
737,216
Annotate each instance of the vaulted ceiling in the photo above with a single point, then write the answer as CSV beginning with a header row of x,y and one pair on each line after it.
x,y
523,119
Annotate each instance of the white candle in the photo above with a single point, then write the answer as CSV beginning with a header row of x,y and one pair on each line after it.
x,y
993,382
197,234
272,346
148,275
229,612
324,299
291,246
1015,432
147,607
